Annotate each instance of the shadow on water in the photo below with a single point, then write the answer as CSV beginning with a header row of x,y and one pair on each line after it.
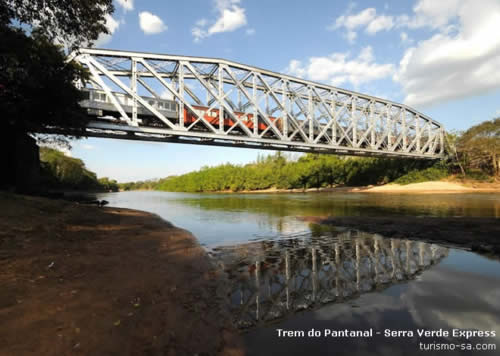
x,y
274,279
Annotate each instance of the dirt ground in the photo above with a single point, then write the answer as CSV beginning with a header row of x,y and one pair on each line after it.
x,y
103,281
478,234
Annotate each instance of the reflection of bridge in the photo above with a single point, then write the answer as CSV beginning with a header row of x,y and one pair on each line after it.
x,y
218,102
272,280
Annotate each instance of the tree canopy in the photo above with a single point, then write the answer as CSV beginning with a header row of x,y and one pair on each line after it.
x,y
481,146
69,21
36,83
62,172
309,171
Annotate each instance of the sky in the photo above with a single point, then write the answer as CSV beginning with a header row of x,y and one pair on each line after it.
x,y
440,57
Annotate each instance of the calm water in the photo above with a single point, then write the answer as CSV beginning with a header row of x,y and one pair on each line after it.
x,y
286,274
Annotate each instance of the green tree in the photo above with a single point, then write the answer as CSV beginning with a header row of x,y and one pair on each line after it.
x,y
107,184
451,141
69,21
36,85
60,171
481,145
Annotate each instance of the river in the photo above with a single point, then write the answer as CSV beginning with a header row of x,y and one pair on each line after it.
x,y
293,284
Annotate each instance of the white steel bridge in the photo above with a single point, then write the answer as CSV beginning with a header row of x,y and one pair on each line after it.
x,y
208,101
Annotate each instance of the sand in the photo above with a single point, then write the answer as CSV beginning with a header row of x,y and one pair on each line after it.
x,y
443,187
104,281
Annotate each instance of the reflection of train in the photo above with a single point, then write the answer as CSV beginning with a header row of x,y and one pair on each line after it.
x,y
100,105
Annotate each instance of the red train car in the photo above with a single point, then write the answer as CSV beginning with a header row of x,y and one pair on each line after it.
x,y
212,117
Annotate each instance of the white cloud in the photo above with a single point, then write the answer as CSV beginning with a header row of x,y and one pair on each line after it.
x,y
231,16
460,60
230,20
337,68
351,36
150,23
380,23
367,19
127,5
404,37
352,22
112,25
87,146
250,31
434,13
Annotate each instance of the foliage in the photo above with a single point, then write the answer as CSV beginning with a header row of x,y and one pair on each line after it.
x,y
109,185
437,172
276,171
479,147
69,21
36,85
479,175
62,172
149,184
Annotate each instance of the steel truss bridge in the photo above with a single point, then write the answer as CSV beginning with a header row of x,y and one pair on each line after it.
x,y
208,101
270,281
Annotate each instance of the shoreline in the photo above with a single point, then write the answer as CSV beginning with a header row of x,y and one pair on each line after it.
x,y
431,187
91,280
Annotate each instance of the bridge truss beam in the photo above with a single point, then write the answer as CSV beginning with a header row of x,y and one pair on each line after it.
x,y
255,108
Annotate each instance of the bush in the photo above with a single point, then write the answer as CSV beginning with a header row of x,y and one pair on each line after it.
x,y
437,172
479,175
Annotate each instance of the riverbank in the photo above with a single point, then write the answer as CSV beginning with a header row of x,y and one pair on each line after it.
x,y
95,281
477,234
434,187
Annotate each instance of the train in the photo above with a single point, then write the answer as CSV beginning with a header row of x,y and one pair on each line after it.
x,y
99,105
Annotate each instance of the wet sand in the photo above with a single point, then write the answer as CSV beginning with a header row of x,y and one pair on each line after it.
x,y
104,281
477,234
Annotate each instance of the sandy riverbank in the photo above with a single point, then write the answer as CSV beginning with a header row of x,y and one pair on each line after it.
x,y
82,280
437,187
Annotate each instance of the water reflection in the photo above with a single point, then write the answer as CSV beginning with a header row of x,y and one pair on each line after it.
x,y
273,279
350,204
228,219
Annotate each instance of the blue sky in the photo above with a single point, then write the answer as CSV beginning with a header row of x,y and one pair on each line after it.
x,y
440,57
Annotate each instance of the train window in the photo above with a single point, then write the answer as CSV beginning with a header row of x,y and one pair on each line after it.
x,y
160,105
85,95
151,102
101,97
